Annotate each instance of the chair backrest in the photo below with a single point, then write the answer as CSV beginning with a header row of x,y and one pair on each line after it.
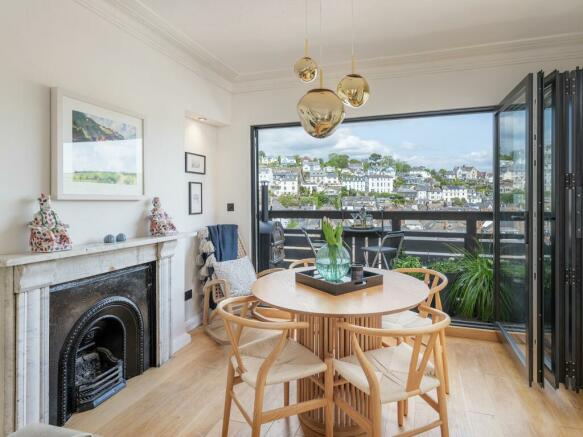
x,y
236,322
436,281
423,336
306,262
315,244
393,239
241,251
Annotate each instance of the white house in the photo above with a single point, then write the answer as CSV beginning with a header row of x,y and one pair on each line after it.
x,y
454,192
380,184
285,183
357,183
324,178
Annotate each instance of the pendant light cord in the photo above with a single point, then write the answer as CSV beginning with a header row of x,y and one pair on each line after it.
x,y
352,35
306,29
321,44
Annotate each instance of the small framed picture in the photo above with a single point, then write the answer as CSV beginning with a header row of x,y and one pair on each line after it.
x,y
194,163
195,198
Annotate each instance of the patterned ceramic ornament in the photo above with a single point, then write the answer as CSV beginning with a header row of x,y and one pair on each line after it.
x,y
47,232
160,222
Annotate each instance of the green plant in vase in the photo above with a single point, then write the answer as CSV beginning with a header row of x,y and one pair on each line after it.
x,y
332,260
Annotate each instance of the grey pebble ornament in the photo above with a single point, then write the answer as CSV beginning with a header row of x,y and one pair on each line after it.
x,y
121,237
108,239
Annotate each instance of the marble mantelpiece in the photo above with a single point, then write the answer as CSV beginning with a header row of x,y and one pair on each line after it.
x,y
25,281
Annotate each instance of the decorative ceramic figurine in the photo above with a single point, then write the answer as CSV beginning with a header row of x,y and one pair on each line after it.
x,y
160,222
47,233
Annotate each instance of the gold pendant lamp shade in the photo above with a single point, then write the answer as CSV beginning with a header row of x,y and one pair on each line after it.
x,y
320,111
353,90
306,68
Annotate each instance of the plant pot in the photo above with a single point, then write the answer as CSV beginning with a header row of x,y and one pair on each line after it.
x,y
333,262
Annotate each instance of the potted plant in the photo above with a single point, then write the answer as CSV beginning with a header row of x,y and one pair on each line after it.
x,y
332,259
472,294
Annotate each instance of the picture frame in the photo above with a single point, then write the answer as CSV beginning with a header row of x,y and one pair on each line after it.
x,y
195,198
194,163
97,150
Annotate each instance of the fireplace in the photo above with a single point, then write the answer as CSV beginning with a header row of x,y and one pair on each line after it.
x,y
101,335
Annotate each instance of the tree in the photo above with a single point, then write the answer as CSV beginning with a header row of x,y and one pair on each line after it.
x,y
321,199
338,160
288,200
456,201
261,154
375,157
398,183
402,167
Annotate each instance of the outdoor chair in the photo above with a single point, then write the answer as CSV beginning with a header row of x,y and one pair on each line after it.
x,y
389,249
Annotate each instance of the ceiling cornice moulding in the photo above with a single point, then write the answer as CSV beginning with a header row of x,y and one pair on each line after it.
x,y
132,17
556,47
143,23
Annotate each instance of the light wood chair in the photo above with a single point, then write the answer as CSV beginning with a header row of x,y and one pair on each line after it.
x,y
396,373
306,262
276,360
436,282
220,289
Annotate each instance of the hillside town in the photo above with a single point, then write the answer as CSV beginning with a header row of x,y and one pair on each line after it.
x,y
376,183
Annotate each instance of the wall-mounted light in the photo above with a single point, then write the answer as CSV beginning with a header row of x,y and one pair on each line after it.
x,y
201,118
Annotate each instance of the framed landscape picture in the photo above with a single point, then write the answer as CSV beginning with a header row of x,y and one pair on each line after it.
x,y
194,198
97,151
194,163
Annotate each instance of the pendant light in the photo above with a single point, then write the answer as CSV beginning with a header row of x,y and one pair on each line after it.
x,y
306,68
320,110
353,89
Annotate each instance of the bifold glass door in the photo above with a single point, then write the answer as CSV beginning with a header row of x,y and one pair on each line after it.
x,y
538,233
512,206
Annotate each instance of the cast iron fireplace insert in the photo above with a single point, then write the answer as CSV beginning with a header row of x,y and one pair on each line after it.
x,y
102,332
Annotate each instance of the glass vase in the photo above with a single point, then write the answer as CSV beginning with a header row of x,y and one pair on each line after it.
x,y
333,262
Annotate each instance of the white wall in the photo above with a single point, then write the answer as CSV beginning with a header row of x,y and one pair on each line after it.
x,y
202,139
412,92
61,43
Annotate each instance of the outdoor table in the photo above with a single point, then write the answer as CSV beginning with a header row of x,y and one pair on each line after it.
x,y
359,237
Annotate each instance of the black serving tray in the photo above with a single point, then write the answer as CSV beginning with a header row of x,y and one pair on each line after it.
x,y
345,285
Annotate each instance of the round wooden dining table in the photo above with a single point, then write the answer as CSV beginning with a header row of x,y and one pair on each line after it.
x,y
322,311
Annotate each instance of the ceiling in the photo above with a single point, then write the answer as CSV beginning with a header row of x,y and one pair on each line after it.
x,y
250,38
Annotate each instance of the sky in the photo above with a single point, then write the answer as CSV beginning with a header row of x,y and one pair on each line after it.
x,y
434,142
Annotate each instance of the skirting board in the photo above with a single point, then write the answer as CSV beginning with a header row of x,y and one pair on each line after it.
x,y
193,322
473,333
180,342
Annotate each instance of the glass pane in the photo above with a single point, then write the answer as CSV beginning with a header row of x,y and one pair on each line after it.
x,y
513,141
548,176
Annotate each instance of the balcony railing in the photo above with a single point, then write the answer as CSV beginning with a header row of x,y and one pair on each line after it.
x,y
430,235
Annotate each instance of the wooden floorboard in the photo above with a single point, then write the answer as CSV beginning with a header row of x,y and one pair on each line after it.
x,y
185,398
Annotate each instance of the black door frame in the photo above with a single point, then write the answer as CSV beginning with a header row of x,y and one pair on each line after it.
x,y
526,86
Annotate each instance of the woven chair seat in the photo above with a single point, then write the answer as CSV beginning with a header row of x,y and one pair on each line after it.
x,y
294,362
405,319
391,366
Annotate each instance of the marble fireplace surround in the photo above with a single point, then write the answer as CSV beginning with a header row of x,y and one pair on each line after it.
x,y
25,281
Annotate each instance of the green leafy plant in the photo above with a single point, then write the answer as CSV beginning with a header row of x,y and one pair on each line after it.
x,y
472,294
407,262
332,234
445,266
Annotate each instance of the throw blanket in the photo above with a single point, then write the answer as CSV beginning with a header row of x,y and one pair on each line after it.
x,y
225,240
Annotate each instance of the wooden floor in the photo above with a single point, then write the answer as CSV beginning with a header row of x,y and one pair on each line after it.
x,y
185,398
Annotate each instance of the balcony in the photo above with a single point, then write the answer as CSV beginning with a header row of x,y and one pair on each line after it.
x,y
437,239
